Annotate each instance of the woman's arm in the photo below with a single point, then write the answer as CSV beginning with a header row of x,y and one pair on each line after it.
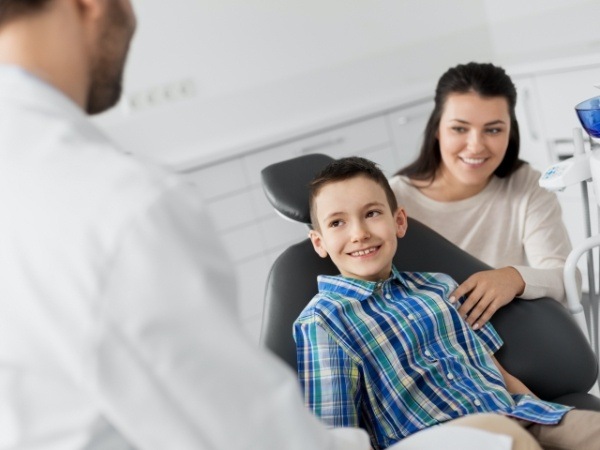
x,y
546,241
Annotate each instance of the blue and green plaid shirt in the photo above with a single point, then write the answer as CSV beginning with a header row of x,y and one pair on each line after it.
x,y
395,357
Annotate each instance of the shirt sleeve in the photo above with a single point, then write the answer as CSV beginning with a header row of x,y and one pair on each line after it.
x,y
546,243
170,367
330,379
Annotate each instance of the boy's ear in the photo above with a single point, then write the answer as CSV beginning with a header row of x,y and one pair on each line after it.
x,y
401,222
317,242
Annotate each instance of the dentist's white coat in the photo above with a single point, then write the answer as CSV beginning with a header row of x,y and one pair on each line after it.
x,y
116,303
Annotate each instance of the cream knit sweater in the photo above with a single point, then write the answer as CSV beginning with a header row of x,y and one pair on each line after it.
x,y
512,222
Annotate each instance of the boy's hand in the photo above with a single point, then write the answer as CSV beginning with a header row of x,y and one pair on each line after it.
x,y
487,291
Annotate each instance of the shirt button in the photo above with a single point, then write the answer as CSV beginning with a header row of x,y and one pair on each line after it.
x,y
411,317
477,403
388,296
450,376
427,353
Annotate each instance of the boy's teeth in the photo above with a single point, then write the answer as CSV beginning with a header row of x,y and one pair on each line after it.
x,y
363,252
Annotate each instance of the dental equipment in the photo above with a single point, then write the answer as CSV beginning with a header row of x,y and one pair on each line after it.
x,y
583,167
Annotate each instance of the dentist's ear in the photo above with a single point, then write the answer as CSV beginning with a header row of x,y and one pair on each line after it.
x,y
401,222
317,242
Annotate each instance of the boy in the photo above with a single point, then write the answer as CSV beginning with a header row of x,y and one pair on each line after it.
x,y
387,350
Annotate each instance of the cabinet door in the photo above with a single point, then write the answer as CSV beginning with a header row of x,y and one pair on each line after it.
x,y
406,127
218,180
533,148
349,139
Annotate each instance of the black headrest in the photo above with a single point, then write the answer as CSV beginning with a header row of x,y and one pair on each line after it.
x,y
297,172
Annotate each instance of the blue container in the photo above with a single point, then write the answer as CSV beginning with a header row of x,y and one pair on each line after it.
x,y
588,112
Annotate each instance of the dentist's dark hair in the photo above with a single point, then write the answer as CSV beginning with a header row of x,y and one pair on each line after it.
x,y
486,80
11,9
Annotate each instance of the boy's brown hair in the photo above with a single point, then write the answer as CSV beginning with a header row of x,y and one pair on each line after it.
x,y
345,169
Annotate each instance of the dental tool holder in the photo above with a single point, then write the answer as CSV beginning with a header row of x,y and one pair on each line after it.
x,y
583,168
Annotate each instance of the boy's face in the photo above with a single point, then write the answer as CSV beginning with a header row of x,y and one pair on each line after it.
x,y
357,229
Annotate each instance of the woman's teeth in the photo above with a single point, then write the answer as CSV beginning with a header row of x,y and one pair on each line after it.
x,y
473,160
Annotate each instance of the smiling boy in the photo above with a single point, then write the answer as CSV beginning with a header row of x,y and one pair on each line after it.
x,y
387,350
357,227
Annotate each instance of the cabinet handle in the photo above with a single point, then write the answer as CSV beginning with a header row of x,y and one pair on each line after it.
x,y
402,120
323,144
529,114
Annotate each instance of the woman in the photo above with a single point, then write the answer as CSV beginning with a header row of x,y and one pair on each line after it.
x,y
469,185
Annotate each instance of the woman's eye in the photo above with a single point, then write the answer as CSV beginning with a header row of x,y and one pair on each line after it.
x,y
494,130
459,129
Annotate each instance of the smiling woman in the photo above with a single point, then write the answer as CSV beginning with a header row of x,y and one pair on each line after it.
x,y
473,135
469,185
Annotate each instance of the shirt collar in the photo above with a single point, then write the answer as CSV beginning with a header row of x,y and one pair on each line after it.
x,y
19,84
355,288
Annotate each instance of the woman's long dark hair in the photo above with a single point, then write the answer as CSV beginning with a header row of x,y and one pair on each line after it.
x,y
486,80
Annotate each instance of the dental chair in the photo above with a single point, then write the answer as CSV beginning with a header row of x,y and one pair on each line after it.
x,y
543,346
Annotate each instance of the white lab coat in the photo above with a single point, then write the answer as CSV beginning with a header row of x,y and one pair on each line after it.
x,y
116,322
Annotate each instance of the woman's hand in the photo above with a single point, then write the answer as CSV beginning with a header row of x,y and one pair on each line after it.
x,y
487,291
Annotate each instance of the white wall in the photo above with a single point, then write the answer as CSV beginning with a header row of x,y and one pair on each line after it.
x,y
230,46
205,77
542,29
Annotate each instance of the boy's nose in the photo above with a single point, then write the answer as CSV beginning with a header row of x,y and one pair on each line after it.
x,y
360,233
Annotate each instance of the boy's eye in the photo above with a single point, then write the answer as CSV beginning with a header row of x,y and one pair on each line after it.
x,y
373,213
335,223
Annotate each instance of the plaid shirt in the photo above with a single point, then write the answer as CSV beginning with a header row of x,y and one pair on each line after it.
x,y
395,357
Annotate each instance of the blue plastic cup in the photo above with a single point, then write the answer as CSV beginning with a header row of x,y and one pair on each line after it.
x,y
588,112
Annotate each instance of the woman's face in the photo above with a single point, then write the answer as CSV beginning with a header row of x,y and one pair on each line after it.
x,y
473,136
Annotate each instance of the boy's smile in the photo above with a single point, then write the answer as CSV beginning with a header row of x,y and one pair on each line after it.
x,y
357,228
364,252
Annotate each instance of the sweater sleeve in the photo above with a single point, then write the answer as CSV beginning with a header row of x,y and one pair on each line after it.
x,y
546,243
